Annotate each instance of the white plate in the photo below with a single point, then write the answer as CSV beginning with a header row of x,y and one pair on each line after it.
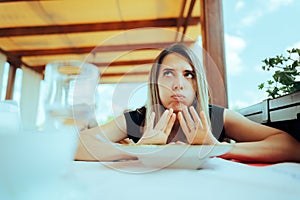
x,y
174,155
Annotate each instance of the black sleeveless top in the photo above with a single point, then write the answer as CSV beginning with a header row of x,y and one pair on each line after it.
x,y
135,121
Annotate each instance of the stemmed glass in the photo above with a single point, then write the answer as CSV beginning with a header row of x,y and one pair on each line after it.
x,y
69,103
70,93
36,164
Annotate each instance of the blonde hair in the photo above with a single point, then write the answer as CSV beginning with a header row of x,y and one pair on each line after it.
x,y
201,101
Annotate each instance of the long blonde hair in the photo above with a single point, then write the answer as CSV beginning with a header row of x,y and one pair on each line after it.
x,y
201,101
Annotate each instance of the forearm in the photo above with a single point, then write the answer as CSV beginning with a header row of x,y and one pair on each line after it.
x,y
276,148
92,149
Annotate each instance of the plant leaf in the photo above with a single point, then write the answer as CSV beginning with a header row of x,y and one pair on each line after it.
x,y
261,86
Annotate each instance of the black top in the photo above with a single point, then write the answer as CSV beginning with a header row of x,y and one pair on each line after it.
x,y
135,121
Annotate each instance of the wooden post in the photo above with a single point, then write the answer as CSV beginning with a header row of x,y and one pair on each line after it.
x,y
213,45
2,66
10,82
14,63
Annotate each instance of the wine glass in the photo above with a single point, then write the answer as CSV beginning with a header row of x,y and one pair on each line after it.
x,y
70,97
36,163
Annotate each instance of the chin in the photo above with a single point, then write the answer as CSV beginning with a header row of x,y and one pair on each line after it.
x,y
177,106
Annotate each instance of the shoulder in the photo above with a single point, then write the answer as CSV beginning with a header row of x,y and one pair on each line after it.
x,y
134,121
217,121
137,116
138,111
216,111
216,108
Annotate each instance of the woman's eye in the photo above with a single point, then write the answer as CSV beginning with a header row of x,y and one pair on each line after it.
x,y
167,73
189,75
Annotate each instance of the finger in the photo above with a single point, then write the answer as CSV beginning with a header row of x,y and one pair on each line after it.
x,y
194,114
150,125
188,134
179,142
161,121
203,120
183,123
151,121
196,117
161,124
170,120
188,118
170,125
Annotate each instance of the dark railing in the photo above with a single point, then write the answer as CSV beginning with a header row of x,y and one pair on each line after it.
x,y
282,113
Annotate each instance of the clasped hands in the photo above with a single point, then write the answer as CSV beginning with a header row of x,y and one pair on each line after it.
x,y
194,127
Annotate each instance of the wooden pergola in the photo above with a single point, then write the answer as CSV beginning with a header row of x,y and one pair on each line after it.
x,y
121,37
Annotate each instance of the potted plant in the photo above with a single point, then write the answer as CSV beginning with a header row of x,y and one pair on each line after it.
x,y
285,75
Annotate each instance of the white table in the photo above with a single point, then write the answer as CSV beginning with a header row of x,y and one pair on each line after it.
x,y
220,179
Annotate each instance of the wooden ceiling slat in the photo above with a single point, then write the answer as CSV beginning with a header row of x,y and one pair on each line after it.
x,y
125,62
123,79
43,52
91,27
105,75
105,64
10,1
123,74
82,50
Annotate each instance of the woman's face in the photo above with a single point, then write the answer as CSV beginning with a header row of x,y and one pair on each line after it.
x,y
176,82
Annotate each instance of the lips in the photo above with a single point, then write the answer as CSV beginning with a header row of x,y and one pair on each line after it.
x,y
178,97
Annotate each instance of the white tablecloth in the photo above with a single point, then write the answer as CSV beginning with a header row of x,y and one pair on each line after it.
x,y
219,179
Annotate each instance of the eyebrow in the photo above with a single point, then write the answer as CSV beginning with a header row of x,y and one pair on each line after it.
x,y
168,68
191,71
172,69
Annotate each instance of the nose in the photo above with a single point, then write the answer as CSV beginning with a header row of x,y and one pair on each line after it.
x,y
178,83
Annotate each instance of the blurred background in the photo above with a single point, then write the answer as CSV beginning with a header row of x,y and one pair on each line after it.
x,y
237,34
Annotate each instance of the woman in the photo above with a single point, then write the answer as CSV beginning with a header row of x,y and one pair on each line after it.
x,y
178,111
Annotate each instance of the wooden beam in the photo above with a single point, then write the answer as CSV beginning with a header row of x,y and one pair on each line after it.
x,y
180,18
13,60
213,44
11,81
91,27
10,1
98,49
46,52
40,68
122,74
187,19
123,79
106,75
125,63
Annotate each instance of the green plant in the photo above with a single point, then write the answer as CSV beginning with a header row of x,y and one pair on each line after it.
x,y
285,76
